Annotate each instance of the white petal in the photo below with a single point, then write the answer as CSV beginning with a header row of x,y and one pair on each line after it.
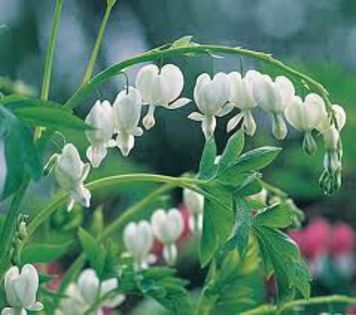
x,y
125,142
69,162
196,116
286,89
173,78
249,124
225,110
208,126
193,201
88,284
149,120
241,91
233,122
267,95
145,81
26,285
202,80
96,154
36,307
179,103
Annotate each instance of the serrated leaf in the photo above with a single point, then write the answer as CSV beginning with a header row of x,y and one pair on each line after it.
x,y
254,160
275,216
283,253
44,252
232,150
207,166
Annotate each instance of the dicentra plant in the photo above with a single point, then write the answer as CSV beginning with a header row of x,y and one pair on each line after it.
x,y
237,218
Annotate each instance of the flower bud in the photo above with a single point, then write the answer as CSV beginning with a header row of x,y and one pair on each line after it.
x,y
279,128
138,240
195,204
160,87
21,290
101,118
340,117
167,228
210,96
70,173
127,113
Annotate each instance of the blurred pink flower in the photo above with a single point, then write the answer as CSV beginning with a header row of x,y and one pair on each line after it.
x,y
317,238
342,239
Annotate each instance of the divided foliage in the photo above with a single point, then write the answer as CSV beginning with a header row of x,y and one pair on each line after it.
x,y
231,220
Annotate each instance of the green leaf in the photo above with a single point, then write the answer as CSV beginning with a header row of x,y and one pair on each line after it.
x,y
241,233
52,117
254,160
217,227
207,165
275,216
44,252
20,153
288,266
185,41
44,113
236,284
232,149
161,284
93,251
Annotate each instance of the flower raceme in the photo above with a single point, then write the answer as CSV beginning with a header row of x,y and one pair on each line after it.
x,y
211,96
70,173
160,87
100,117
21,289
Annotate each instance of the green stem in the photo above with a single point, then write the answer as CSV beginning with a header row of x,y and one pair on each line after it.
x,y
274,309
99,40
107,182
199,49
50,51
9,227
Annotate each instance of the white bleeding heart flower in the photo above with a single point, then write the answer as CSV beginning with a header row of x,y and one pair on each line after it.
x,y
274,97
167,227
127,113
340,116
138,240
90,288
70,173
101,118
160,87
306,116
211,96
241,97
195,204
21,290
73,303
3,167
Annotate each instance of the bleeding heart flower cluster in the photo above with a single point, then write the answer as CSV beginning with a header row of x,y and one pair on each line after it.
x,y
165,226
82,294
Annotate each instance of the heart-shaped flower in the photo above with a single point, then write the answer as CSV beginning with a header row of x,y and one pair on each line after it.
x,y
160,87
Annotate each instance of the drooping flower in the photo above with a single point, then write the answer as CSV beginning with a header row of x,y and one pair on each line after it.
x,y
195,204
138,240
167,227
241,96
160,87
21,290
306,116
70,173
127,113
73,303
101,118
211,96
274,97
90,288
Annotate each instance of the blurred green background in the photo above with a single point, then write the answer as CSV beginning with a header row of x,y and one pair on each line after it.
x,y
317,37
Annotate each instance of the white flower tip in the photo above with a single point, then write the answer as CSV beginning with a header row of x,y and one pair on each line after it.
x,y
148,121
